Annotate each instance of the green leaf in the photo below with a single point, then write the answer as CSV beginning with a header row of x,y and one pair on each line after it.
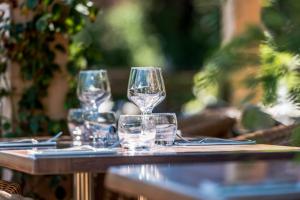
x,y
34,126
56,11
253,118
10,135
2,67
31,3
47,2
68,2
42,22
6,126
23,116
69,22
296,136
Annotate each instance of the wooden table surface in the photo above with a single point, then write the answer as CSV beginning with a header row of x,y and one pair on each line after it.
x,y
270,179
25,161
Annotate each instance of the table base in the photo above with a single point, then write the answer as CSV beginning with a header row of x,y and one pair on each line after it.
x,y
83,186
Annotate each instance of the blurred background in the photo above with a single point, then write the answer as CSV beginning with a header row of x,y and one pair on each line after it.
x,y
63,37
175,35
214,54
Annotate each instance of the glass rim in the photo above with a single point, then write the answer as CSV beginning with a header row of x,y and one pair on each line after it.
x,y
75,109
152,114
146,67
99,113
87,111
94,70
167,113
137,115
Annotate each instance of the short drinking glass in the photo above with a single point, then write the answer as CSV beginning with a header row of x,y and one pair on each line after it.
x,y
101,126
132,133
76,126
166,128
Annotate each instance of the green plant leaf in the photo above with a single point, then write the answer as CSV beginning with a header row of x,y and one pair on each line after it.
x,y
253,118
30,45
42,22
2,67
296,136
56,11
68,2
34,125
31,3
6,126
47,2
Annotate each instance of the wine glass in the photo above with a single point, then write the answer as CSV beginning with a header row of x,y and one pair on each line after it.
x,y
146,88
93,88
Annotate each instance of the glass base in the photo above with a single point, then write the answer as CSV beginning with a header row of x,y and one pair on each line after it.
x,y
139,147
164,143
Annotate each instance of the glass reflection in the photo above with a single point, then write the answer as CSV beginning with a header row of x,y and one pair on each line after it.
x,y
144,172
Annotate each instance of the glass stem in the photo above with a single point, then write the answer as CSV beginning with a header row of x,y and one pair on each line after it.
x,y
144,125
94,106
145,121
89,106
147,111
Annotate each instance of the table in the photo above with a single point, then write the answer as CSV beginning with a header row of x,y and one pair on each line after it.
x,y
271,179
83,166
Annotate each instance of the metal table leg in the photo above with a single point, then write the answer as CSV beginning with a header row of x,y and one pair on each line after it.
x,y
83,186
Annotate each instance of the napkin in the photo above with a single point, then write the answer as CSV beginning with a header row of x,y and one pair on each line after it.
x,y
20,143
211,141
72,152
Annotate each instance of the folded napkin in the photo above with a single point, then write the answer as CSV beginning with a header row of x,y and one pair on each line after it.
x,y
26,143
211,141
73,151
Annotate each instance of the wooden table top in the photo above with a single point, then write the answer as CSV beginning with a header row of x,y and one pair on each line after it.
x,y
270,179
25,160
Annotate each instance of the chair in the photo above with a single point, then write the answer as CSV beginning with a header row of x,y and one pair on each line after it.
x,y
278,135
11,191
211,122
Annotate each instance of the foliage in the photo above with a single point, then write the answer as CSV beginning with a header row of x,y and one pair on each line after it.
x,y
281,18
277,58
278,69
123,34
177,35
253,119
277,62
214,78
33,46
188,31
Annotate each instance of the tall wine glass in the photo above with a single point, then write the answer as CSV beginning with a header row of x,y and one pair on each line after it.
x,y
146,88
93,88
